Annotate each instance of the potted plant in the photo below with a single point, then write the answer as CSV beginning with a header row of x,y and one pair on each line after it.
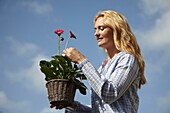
x,y
63,76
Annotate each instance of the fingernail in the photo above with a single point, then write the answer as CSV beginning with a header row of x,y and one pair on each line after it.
x,y
63,54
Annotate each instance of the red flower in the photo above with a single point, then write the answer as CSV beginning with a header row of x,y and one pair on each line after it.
x,y
72,35
59,32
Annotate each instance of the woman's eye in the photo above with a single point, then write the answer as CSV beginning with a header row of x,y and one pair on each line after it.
x,y
101,28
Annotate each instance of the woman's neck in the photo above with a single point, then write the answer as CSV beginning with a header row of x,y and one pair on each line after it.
x,y
111,53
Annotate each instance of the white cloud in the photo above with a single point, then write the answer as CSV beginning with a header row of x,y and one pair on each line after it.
x,y
158,35
164,103
156,38
22,48
38,8
3,99
29,76
154,6
11,106
53,110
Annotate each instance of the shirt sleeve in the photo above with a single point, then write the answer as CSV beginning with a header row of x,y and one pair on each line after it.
x,y
120,78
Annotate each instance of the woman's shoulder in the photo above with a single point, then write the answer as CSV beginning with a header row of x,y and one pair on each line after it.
x,y
125,58
122,55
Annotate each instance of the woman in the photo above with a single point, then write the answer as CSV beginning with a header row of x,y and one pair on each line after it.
x,y
115,84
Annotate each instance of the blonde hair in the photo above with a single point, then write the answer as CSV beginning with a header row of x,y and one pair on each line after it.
x,y
124,39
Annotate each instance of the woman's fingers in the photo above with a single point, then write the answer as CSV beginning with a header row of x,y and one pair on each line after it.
x,y
73,55
51,106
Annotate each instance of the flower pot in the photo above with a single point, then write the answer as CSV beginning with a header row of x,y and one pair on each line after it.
x,y
61,91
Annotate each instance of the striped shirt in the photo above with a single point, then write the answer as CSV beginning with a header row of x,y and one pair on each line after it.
x,y
114,86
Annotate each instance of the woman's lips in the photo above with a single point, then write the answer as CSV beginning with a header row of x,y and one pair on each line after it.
x,y
99,39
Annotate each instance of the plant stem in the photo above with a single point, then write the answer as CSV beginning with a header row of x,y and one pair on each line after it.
x,y
67,43
59,46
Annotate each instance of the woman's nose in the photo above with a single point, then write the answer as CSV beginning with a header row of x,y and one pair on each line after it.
x,y
96,33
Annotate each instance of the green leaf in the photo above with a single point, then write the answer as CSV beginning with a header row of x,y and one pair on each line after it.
x,y
44,63
63,60
54,63
48,72
81,76
82,88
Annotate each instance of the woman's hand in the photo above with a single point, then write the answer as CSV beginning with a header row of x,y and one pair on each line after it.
x,y
74,55
60,105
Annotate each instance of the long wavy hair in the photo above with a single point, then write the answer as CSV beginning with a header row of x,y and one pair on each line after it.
x,y
124,39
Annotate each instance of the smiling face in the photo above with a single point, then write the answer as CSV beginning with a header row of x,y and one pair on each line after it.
x,y
103,34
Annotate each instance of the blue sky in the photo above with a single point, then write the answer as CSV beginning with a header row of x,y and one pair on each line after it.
x,y
27,36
